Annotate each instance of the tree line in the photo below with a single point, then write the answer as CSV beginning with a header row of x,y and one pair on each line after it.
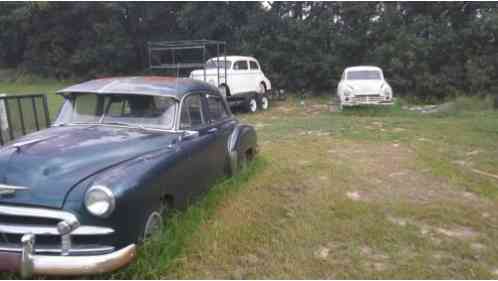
x,y
427,50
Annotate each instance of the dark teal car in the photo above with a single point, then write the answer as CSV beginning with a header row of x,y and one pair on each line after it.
x,y
78,197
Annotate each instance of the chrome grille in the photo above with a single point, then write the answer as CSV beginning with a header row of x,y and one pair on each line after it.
x,y
43,223
368,98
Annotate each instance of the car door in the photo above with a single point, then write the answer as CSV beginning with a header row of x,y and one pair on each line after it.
x,y
256,75
198,144
240,78
221,124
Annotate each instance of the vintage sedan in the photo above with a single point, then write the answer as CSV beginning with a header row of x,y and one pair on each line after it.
x,y
78,197
364,85
244,80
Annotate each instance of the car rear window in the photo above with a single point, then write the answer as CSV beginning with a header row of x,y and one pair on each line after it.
x,y
192,115
217,110
254,65
240,65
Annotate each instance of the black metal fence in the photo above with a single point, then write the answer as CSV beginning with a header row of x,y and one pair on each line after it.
x,y
21,115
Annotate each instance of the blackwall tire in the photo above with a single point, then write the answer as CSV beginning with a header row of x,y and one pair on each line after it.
x,y
154,223
238,163
264,102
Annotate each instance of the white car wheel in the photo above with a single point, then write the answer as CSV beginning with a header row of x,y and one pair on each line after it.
x,y
264,103
252,105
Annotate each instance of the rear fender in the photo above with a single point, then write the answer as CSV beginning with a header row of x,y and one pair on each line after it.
x,y
242,140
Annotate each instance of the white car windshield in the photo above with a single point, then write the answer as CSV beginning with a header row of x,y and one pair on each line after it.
x,y
220,64
128,110
363,75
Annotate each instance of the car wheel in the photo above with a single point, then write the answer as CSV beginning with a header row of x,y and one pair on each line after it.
x,y
153,223
238,162
252,105
225,92
264,103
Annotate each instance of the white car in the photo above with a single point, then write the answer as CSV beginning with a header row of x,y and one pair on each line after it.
x,y
364,85
245,81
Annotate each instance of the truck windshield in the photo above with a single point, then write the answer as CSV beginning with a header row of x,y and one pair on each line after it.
x,y
363,75
221,64
143,111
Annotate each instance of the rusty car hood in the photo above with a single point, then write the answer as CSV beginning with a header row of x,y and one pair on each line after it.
x,y
53,161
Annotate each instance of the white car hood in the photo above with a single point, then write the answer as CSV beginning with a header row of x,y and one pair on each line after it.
x,y
364,87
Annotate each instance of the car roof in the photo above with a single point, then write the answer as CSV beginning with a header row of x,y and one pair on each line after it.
x,y
234,58
141,85
363,67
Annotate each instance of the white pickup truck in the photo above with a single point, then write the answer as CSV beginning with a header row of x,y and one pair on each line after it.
x,y
364,85
245,82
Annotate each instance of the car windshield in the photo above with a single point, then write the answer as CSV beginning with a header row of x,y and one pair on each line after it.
x,y
128,110
363,75
221,63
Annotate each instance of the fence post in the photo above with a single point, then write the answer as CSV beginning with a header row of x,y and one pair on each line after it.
x,y
45,106
3,118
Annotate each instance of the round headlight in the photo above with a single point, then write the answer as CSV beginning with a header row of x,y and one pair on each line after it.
x,y
100,201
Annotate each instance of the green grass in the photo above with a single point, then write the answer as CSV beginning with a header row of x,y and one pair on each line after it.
x,y
158,255
47,87
295,199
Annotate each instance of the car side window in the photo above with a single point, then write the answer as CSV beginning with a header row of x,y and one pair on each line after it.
x,y
87,108
254,65
192,115
240,65
216,108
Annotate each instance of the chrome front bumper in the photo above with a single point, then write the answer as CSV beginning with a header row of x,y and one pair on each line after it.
x,y
366,100
31,264
28,259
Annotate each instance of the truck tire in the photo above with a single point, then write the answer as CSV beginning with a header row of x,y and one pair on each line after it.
x,y
264,102
252,104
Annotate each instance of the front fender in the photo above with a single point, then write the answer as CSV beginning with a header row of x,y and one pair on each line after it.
x,y
136,185
266,81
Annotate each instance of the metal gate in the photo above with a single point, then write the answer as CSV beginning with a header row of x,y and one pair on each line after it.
x,y
21,115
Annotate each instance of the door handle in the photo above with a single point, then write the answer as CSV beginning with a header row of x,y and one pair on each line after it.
x,y
212,130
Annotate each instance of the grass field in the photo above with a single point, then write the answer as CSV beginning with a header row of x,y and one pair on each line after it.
x,y
365,193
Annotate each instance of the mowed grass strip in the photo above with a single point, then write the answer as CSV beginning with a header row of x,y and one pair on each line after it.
x,y
359,194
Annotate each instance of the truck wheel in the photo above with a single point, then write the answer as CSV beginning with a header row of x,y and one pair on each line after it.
x,y
264,102
225,92
252,104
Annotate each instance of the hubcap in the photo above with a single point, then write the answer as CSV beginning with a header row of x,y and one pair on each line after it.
x,y
264,103
253,105
154,224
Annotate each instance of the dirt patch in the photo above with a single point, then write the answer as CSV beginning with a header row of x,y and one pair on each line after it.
x,y
354,195
374,260
455,232
387,173
321,253
463,233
